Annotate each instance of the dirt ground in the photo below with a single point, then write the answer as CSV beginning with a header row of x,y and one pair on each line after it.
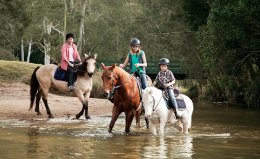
x,y
15,102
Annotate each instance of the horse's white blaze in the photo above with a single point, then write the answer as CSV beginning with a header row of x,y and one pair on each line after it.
x,y
156,111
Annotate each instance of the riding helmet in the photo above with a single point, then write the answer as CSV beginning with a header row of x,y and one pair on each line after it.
x,y
164,61
135,42
69,35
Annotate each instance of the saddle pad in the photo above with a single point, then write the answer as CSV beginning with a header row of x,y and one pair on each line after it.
x,y
60,75
181,104
138,81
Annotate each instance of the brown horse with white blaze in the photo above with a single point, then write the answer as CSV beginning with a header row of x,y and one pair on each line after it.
x,y
43,79
127,98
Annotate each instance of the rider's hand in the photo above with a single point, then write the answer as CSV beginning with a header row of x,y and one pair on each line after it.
x,y
137,65
121,65
165,85
71,65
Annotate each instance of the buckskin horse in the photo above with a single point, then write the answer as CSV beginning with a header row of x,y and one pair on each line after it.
x,y
127,97
156,111
43,78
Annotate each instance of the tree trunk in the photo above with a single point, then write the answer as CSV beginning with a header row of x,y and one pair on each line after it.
x,y
65,21
29,51
22,51
81,27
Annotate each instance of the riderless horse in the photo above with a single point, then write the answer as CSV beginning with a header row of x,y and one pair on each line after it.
x,y
43,78
157,111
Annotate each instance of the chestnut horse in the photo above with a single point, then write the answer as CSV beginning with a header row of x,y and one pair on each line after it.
x,y
127,98
43,78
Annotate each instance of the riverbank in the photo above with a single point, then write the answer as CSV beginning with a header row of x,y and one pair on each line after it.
x,y
15,101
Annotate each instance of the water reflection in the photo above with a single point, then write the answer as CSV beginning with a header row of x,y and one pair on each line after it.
x,y
165,147
216,133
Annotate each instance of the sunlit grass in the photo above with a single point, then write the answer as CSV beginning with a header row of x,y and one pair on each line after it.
x,y
16,71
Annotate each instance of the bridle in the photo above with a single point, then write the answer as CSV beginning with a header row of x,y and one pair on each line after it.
x,y
155,106
114,86
77,66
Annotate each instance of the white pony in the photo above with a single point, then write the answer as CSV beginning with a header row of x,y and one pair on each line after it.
x,y
156,111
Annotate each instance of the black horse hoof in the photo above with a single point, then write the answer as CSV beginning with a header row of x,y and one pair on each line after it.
x,y
88,117
78,116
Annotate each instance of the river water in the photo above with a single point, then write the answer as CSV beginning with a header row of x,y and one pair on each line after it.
x,y
218,131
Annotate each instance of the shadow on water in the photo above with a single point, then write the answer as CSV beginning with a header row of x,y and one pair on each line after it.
x,y
217,132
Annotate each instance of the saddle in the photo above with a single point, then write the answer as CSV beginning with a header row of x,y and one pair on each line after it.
x,y
180,101
62,75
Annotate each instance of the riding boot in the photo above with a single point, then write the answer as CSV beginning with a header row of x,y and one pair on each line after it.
x,y
143,80
70,72
173,101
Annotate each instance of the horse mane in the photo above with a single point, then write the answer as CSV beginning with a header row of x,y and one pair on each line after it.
x,y
82,69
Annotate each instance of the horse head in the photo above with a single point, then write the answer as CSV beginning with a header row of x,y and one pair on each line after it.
x,y
109,78
89,64
148,101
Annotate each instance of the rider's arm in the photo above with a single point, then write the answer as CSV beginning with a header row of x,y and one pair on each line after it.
x,y
125,63
144,64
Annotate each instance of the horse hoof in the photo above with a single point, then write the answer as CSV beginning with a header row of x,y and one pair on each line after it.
x,y
39,113
51,116
88,117
77,116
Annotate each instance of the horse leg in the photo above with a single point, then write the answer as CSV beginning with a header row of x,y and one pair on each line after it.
x,y
84,107
84,101
115,114
129,119
81,112
152,127
38,98
162,125
137,118
45,101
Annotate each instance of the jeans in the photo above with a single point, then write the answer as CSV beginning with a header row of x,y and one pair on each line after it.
x,y
172,98
70,72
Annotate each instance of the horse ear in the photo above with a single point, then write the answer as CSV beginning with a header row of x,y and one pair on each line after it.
x,y
113,66
103,66
95,56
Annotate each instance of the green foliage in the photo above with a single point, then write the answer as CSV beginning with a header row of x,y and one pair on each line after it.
x,y
229,48
13,23
198,11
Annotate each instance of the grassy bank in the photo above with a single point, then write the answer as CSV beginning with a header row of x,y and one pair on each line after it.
x,y
17,71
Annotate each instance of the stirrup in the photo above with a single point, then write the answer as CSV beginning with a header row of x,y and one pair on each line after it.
x,y
71,88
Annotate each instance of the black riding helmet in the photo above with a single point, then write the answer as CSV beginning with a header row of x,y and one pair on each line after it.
x,y
135,42
69,35
164,61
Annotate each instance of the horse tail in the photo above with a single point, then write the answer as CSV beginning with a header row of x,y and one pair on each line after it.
x,y
34,86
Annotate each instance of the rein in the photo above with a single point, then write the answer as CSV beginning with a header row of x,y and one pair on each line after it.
x,y
114,87
155,106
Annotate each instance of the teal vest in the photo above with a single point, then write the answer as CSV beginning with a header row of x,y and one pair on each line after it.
x,y
136,58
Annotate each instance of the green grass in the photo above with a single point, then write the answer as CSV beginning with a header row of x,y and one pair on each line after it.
x,y
16,71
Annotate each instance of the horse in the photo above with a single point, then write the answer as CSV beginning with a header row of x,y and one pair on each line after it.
x,y
43,78
156,110
127,97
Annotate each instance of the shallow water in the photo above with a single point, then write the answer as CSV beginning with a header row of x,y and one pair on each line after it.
x,y
217,132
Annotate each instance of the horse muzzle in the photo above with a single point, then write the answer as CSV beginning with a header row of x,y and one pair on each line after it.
x,y
90,74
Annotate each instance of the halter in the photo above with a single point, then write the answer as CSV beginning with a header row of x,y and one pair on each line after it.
x,y
114,86
155,106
